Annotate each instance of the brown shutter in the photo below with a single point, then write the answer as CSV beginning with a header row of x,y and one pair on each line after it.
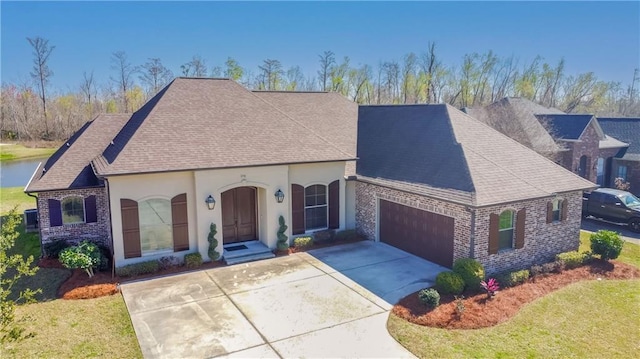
x,y
520,225
130,228
334,204
494,235
55,213
564,209
297,209
90,210
549,212
180,223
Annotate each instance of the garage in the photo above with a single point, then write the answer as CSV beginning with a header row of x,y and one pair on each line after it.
x,y
425,234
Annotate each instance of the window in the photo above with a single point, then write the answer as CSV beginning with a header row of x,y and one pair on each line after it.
x,y
315,207
622,172
556,210
600,171
506,229
73,210
156,230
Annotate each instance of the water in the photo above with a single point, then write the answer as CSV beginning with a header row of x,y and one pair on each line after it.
x,y
18,173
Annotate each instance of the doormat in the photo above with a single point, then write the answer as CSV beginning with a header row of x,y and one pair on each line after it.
x,y
235,248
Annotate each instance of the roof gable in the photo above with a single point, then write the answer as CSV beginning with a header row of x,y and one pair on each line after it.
x,y
624,129
569,126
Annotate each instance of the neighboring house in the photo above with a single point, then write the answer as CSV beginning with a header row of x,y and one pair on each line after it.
x,y
429,179
575,141
626,163
436,182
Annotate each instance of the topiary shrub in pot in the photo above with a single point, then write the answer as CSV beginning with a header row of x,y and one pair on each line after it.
x,y
449,283
471,271
283,240
607,244
213,243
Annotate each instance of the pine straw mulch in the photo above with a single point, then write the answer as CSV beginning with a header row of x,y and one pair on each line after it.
x,y
80,286
481,312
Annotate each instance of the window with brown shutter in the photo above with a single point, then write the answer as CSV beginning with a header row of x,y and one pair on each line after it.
x,y
130,228
180,223
334,204
549,212
55,213
91,213
297,209
564,209
494,237
520,227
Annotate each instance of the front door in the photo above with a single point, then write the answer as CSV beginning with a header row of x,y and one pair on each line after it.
x,y
239,215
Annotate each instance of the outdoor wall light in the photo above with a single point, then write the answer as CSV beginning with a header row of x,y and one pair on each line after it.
x,y
279,196
211,203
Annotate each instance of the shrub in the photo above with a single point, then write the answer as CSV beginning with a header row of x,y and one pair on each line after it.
x,y
573,259
168,262
449,283
429,297
607,244
283,240
303,242
193,260
471,271
518,277
213,243
138,269
86,255
53,249
346,235
536,270
460,308
552,267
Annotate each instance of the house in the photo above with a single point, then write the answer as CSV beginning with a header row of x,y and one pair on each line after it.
x,y
436,182
626,163
575,141
428,179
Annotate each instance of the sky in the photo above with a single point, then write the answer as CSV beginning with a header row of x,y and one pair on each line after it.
x,y
603,37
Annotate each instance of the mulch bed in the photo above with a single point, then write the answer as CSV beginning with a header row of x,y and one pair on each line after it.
x,y
316,245
481,312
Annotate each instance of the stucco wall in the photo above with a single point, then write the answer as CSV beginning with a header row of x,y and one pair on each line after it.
x,y
542,240
73,233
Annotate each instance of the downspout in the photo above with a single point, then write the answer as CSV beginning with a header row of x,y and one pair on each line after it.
x,y
472,236
113,258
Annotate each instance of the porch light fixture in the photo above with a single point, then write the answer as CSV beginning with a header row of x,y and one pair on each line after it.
x,y
211,203
279,196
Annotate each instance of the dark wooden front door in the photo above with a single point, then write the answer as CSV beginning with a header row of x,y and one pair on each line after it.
x,y
426,234
239,215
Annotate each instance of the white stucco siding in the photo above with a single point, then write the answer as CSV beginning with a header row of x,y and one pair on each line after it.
x,y
143,187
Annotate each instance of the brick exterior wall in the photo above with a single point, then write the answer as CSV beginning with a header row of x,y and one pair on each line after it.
x,y
588,146
633,174
74,233
542,241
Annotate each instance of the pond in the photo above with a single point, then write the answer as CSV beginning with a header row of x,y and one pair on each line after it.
x,y
18,173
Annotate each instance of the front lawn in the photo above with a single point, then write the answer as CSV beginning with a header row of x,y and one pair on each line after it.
x,y
593,319
14,196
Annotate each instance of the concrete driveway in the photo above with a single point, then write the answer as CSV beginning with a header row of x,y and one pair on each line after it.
x,y
330,302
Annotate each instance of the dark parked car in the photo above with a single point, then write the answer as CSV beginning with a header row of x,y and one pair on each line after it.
x,y
613,205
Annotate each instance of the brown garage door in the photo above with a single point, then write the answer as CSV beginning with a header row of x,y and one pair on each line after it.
x,y
426,234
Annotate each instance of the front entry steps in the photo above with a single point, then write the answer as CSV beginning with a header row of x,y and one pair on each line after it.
x,y
241,252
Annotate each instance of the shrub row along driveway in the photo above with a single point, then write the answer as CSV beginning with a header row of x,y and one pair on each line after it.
x,y
330,302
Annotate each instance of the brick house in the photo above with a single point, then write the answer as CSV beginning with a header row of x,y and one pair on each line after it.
x,y
626,162
428,179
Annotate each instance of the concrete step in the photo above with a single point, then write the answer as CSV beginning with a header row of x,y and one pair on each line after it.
x,y
249,257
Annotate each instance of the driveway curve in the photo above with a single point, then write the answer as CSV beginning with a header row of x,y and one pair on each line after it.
x,y
329,302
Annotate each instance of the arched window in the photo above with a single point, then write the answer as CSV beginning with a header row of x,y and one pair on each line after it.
x,y
315,207
506,229
156,231
73,210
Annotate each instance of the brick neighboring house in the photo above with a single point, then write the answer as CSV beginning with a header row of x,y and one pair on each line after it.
x,y
438,183
429,179
575,141
626,163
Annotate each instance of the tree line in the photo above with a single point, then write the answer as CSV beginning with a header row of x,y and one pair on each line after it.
x,y
31,110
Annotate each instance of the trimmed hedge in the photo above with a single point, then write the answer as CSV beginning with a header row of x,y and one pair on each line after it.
x,y
471,271
303,242
429,297
607,244
573,259
193,260
138,269
511,279
449,283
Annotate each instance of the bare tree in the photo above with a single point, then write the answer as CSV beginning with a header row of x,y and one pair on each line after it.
x,y
295,78
408,76
88,89
155,76
327,62
41,73
270,74
124,76
197,67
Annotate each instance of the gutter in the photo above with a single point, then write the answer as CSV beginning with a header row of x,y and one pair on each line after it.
x,y
37,206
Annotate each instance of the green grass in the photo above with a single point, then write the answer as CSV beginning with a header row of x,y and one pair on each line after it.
x,y
20,152
630,251
589,319
15,197
88,328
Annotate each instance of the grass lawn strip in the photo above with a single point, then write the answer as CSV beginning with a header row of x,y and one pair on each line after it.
x,y
19,152
14,196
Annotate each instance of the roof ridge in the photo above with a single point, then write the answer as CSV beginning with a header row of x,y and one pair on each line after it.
x,y
298,122
292,91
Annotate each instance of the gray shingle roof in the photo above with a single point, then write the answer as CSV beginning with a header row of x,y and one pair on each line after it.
x,y
213,123
566,126
439,147
624,129
69,166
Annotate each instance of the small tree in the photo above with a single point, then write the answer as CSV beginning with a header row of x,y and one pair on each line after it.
x,y
12,268
86,256
607,244
283,240
621,184
213,243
